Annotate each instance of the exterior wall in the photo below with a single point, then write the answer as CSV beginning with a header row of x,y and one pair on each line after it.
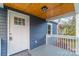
x,y
54,28
54,31
52,40
38,30
20,32
0,47
3,31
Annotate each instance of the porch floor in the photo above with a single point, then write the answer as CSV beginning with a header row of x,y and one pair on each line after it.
x,y
44,50
50,51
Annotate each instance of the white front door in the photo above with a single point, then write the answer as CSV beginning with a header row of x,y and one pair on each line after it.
x,y
18,32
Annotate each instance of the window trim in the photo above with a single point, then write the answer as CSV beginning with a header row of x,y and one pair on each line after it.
x,y
50,29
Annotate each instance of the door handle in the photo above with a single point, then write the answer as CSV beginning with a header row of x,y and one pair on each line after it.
x,y
10,38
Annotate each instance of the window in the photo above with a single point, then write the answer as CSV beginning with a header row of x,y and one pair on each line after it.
x,y
19,21
49,28
15,20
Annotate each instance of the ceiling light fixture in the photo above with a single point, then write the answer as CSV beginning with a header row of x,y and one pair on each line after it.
x,y
44,8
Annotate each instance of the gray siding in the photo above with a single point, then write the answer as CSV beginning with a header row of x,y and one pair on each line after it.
x,y
3,31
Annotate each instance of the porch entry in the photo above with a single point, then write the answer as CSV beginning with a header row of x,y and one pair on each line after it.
x,y
18,32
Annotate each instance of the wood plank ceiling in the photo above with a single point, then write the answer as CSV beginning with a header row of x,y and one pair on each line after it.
x,y
54,9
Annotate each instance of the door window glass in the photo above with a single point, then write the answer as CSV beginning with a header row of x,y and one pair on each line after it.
x,y
19,21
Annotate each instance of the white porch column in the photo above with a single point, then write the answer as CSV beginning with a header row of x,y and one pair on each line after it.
x,y
76,5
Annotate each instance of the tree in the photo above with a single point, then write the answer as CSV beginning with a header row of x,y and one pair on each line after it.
x,y
69,27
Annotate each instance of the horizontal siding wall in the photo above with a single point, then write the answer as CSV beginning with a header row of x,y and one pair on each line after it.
x,y
52,40
54,31
0,47
38,30
3,31
54,28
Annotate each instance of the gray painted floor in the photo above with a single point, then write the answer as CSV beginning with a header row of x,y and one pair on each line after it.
x,y
50,51
45,51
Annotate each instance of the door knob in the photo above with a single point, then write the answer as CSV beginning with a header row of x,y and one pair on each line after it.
x,y
10,38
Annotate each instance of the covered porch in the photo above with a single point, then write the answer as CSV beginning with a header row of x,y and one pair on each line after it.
x,y
49,34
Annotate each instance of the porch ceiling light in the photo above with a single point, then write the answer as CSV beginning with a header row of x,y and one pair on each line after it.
x,y
44,8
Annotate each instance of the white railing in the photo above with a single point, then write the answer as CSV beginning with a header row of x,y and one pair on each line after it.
x,y
62,41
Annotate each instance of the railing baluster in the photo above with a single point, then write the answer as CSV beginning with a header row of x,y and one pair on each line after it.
x,y
67,44
56,40
76,46
63,42
60,42
70,44
73,46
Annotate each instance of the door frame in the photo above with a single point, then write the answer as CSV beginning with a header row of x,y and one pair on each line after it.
x,y
8,14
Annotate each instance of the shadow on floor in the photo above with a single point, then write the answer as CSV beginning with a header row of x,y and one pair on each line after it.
x,y
22,53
